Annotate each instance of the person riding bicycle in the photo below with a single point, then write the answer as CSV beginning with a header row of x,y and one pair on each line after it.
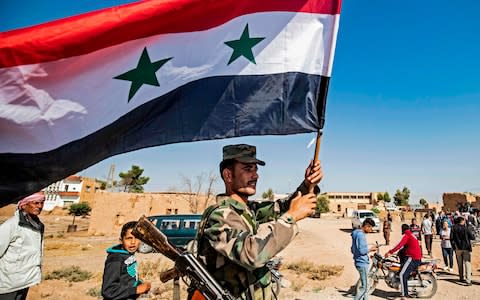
x,y
413,254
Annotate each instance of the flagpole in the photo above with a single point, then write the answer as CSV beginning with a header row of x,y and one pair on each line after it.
x,y
321,106
317,145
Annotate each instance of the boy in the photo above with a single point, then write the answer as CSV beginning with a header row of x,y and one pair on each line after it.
x,y
120,278
416,230
360,252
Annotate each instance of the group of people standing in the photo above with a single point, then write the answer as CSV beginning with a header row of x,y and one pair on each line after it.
x,y
455,233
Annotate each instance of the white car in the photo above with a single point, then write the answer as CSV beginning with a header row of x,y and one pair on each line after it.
x,y
359,216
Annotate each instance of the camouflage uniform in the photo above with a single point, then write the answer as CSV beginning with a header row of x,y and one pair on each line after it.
x,y
235,242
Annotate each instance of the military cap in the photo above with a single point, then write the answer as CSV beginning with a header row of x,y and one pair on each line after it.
x,y
243,153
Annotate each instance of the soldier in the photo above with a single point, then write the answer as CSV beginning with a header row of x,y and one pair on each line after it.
x,y
237,238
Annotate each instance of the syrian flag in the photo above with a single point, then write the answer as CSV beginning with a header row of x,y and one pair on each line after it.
x,y
78,90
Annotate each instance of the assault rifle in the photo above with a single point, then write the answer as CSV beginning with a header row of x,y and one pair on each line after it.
x,y
186,264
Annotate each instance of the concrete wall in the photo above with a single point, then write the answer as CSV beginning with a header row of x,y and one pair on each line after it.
x,y
112,210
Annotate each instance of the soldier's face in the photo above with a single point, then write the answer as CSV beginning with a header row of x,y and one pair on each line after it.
x,y
244,179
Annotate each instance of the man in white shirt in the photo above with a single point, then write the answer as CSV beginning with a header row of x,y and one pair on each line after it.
x,y
427,233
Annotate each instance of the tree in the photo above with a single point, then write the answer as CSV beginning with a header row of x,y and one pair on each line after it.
x,y
380,196
322,204
401,197
195,188
79,209
386,197
268,194
423,202
133,180
103,184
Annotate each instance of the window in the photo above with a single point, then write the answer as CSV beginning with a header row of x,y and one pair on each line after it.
x,y
367,215
87,189
339,207
169,211
191,224
66,188
169,225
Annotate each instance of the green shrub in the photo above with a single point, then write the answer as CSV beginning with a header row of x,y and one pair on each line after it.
x,y
95,292
314,271
71,274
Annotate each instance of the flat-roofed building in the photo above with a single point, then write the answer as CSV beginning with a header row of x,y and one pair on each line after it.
x,y
345,203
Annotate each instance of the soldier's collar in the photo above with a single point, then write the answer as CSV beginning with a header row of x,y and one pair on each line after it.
x,y
239,206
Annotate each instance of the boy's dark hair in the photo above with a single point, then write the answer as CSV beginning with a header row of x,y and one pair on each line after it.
x,y
126,227
368,221
405,227
226,164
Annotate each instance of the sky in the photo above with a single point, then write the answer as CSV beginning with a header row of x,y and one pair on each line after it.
x,y
403,108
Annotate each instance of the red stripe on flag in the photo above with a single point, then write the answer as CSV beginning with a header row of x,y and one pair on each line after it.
x,y
92,31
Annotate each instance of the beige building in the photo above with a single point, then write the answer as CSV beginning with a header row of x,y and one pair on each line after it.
x,y
89,187
453,201
345,203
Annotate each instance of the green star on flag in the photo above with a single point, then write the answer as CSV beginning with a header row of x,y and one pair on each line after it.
x,y
144,73
243,46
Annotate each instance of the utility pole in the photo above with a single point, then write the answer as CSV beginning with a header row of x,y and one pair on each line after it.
x,y
110,178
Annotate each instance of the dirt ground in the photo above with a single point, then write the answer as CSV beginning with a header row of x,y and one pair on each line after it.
x,y
321,241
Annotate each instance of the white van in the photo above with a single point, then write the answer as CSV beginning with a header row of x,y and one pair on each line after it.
x,y
359,216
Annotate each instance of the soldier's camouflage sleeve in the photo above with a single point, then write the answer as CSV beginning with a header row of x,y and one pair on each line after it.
x,y
231,235
267,211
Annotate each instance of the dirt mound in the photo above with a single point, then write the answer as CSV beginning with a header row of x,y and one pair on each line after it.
x,y
56,211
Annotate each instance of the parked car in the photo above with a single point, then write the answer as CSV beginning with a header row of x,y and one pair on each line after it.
x,y
179,229
358,216
390,206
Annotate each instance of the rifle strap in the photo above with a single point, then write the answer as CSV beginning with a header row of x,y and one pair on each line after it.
x,y
203,223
